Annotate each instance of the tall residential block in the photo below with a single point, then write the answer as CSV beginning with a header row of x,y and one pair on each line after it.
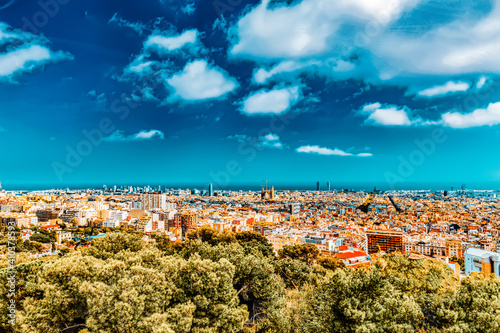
x,y
152,201
184,221
384,240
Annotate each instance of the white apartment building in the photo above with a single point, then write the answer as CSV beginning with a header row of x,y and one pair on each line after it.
x,y
111,224
152,201
118,215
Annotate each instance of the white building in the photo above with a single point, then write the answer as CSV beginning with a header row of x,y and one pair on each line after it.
x,y
152,201
62,235
118,215
111,224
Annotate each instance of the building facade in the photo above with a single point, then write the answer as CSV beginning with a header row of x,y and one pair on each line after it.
x,y
477,260
153,201
384,240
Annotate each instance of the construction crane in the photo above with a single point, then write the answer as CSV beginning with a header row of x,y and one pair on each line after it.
x,y
364,206
394,204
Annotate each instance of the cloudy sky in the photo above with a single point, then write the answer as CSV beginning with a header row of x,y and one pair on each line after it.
x,y
232,92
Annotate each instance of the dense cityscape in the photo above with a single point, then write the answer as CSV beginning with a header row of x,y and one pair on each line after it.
x,y
458,227
258,166
156,259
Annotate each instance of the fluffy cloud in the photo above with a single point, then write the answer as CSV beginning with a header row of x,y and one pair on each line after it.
x,y
467,45
200,81
274,101
372,38
157,77
328,151
271,140
307,28
164,43
488,116
24,52
388,115
447,88
119,135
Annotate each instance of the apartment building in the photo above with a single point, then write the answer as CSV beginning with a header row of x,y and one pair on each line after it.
x,y
384,240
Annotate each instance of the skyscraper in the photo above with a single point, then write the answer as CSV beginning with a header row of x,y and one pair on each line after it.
x,y
328,186
317,186
210,190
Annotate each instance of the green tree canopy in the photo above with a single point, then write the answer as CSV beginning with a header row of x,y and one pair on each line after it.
x,y
307,253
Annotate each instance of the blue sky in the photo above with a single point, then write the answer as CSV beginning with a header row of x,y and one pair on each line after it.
x,y
231,92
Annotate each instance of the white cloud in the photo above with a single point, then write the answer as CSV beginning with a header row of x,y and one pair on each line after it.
x,y
328,151
287,66
271,137
480,83
119,135
200,81
445,89
380,43
146,135
163,44
274,101
466,45
307,28
330,66
143,68
480,117
99,98
24,52
23,59
371,107
271,140
140,67
136,26
388,115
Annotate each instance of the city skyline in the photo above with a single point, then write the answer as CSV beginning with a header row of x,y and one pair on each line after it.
x,y
231,93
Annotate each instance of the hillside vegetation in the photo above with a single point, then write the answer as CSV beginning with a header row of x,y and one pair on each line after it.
x,y
232,282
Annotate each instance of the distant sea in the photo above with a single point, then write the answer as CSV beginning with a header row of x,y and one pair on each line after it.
x,y
357,186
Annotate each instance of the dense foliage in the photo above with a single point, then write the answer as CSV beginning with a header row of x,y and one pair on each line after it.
x,y
232,282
